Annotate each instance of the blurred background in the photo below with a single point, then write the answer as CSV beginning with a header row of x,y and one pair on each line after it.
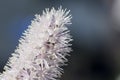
x,y
95,30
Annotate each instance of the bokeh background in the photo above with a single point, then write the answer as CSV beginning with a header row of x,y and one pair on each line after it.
x,y
95,30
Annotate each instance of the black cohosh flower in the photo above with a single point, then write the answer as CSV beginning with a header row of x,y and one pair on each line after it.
x,y
42,48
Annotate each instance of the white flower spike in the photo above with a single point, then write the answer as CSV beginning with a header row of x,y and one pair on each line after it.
x,y
42,48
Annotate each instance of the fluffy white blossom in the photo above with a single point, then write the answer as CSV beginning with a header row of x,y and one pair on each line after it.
x,y
42,48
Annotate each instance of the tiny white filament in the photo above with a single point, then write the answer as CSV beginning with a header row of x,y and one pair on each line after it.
x,y
42,48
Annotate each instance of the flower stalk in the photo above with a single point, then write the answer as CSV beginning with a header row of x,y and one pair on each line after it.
x,y
42,49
